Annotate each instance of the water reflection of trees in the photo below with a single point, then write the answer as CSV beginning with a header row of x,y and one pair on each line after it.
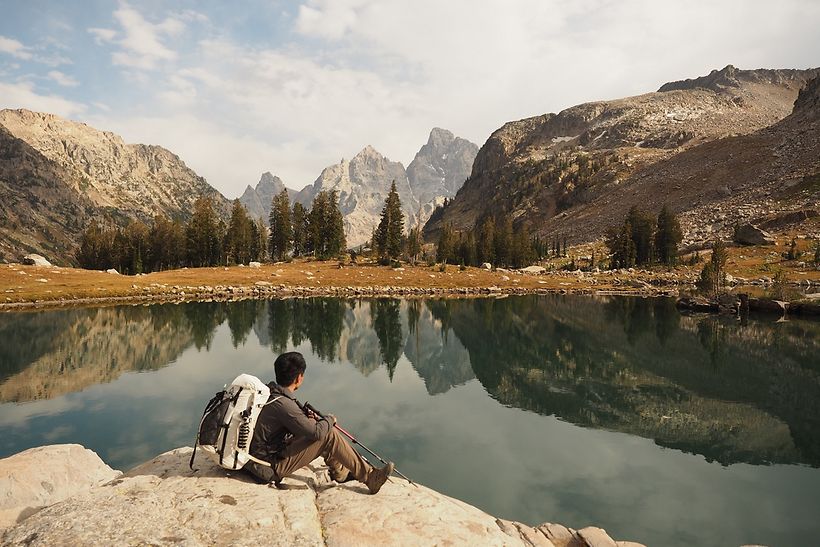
x,y
700,384
58,352
317,320
387,324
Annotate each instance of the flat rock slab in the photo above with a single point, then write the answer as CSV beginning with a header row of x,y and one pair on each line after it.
x,y
163,502
45,475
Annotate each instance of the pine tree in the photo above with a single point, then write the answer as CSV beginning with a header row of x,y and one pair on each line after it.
x,y
281,228
444,251
621,246
259,249
336,241
522,252
298,220
160,244
642,225
390,232
239,238
719,257
414,244
326,226
486,242
316,224
203,235
503,242
96,246
668,236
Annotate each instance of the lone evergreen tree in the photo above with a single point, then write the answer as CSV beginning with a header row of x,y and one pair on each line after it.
x,y
390,232
281,230
713,275
668,236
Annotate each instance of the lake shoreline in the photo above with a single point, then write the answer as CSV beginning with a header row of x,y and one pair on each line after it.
x,y
252,293
39,287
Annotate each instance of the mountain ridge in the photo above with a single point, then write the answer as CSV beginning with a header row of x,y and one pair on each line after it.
x,y
545,170
105,178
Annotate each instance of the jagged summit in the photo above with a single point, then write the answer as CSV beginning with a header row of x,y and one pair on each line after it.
x,y
363,182
258,200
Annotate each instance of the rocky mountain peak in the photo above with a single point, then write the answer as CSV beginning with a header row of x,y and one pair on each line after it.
x,y
440,137
258,200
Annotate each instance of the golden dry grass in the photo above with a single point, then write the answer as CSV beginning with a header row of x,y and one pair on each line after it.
x,y
30,284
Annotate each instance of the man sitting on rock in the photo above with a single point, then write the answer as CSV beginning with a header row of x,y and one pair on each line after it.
x,y
289,439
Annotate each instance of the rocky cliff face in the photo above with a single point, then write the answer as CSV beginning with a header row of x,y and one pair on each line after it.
x,y
258,200
439,169
540,168
93,172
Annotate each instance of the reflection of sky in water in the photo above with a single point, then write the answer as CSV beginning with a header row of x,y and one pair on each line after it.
x,y
513,463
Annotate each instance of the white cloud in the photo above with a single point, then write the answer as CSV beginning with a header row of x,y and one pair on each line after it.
x,y
103,35
63,79
22,95
140,42
14,48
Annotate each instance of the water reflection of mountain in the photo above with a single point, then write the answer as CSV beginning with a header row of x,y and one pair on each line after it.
x,y
369,334
436,354
53,353
732,393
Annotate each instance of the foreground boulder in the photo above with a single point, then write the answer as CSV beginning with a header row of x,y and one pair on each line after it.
x,y
749,234
35,260
45,475
164,502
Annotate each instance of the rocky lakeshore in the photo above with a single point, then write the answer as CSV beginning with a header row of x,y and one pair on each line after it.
x,y
65,494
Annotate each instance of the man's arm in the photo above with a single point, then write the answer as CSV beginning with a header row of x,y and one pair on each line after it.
x,y
301,426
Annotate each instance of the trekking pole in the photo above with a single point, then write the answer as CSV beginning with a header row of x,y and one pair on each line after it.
x,y
354,440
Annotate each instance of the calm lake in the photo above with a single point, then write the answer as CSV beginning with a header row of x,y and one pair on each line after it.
x,y
612,411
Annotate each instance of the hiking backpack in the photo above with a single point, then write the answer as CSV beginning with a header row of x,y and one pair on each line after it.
x,y
227,425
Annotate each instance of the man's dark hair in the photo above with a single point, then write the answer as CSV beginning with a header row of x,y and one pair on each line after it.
x,y
288,366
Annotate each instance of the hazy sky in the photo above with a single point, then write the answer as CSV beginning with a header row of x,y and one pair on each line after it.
x,y
242,87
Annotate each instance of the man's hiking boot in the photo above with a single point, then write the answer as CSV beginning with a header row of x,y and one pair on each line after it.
x,y
378,476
